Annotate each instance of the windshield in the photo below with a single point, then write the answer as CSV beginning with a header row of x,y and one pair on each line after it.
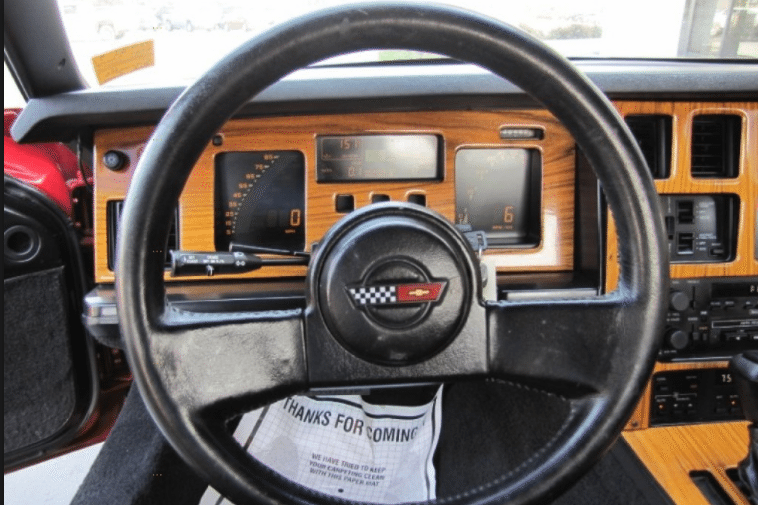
x,y
181,39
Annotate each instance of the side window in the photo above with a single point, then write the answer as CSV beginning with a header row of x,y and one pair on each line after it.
x,y
12,97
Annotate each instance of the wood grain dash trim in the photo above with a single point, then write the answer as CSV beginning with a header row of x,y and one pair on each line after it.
x,y
459,129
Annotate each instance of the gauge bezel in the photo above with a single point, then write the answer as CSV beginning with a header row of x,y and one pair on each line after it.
x,y
517,195
379,157
272,180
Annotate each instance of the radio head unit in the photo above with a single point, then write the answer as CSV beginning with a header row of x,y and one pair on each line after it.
x,y
711,318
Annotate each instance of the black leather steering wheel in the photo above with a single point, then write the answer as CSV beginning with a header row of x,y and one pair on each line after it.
x,y
197,370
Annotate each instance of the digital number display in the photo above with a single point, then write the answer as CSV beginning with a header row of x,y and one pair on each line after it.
x,y
260,199
498,191
378,158
734,289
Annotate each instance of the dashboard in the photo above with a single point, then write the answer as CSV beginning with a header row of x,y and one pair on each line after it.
x,y
295,162
516,176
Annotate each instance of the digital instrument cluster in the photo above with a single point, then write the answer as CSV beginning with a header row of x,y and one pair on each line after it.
x,y
260,196
498,191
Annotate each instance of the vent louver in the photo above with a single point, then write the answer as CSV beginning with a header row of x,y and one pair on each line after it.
x,y
114,218
716,145
653,134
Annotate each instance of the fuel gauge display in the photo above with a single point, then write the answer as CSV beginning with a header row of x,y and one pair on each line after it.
x,y
498,191
260,199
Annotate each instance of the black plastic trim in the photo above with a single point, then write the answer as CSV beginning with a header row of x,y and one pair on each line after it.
x,y
438,86
113,213
590,246
100,314
710,487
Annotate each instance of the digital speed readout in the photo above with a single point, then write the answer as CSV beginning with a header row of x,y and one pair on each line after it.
x,y
497,191
260,199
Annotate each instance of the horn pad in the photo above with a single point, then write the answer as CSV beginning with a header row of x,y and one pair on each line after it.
x,y
394,288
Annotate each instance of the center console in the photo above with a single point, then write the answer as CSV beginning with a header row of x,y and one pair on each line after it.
x,y
690,429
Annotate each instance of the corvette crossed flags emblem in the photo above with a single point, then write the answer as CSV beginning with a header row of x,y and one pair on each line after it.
x,y
396,294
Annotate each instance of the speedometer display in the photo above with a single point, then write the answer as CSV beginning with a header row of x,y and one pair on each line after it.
x,y
260,199
497,191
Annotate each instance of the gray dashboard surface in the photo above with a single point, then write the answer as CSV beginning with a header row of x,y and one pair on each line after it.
x,y
445,85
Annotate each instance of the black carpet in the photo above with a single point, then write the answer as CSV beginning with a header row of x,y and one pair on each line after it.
x,y
38,382
491,428
486,428
619,478
136,466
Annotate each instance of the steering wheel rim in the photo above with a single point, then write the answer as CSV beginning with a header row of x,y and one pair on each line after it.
x,y
161,341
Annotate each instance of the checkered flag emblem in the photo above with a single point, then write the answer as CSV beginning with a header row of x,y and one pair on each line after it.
x,y
374,295
419,292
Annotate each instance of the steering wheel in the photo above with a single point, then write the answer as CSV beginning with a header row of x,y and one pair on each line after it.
x,y
197,370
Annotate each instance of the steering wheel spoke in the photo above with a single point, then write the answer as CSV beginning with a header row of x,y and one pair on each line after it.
x,y
229,363
560,346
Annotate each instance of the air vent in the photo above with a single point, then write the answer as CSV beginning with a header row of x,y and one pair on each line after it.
x,y
716,146
114,218
653,134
